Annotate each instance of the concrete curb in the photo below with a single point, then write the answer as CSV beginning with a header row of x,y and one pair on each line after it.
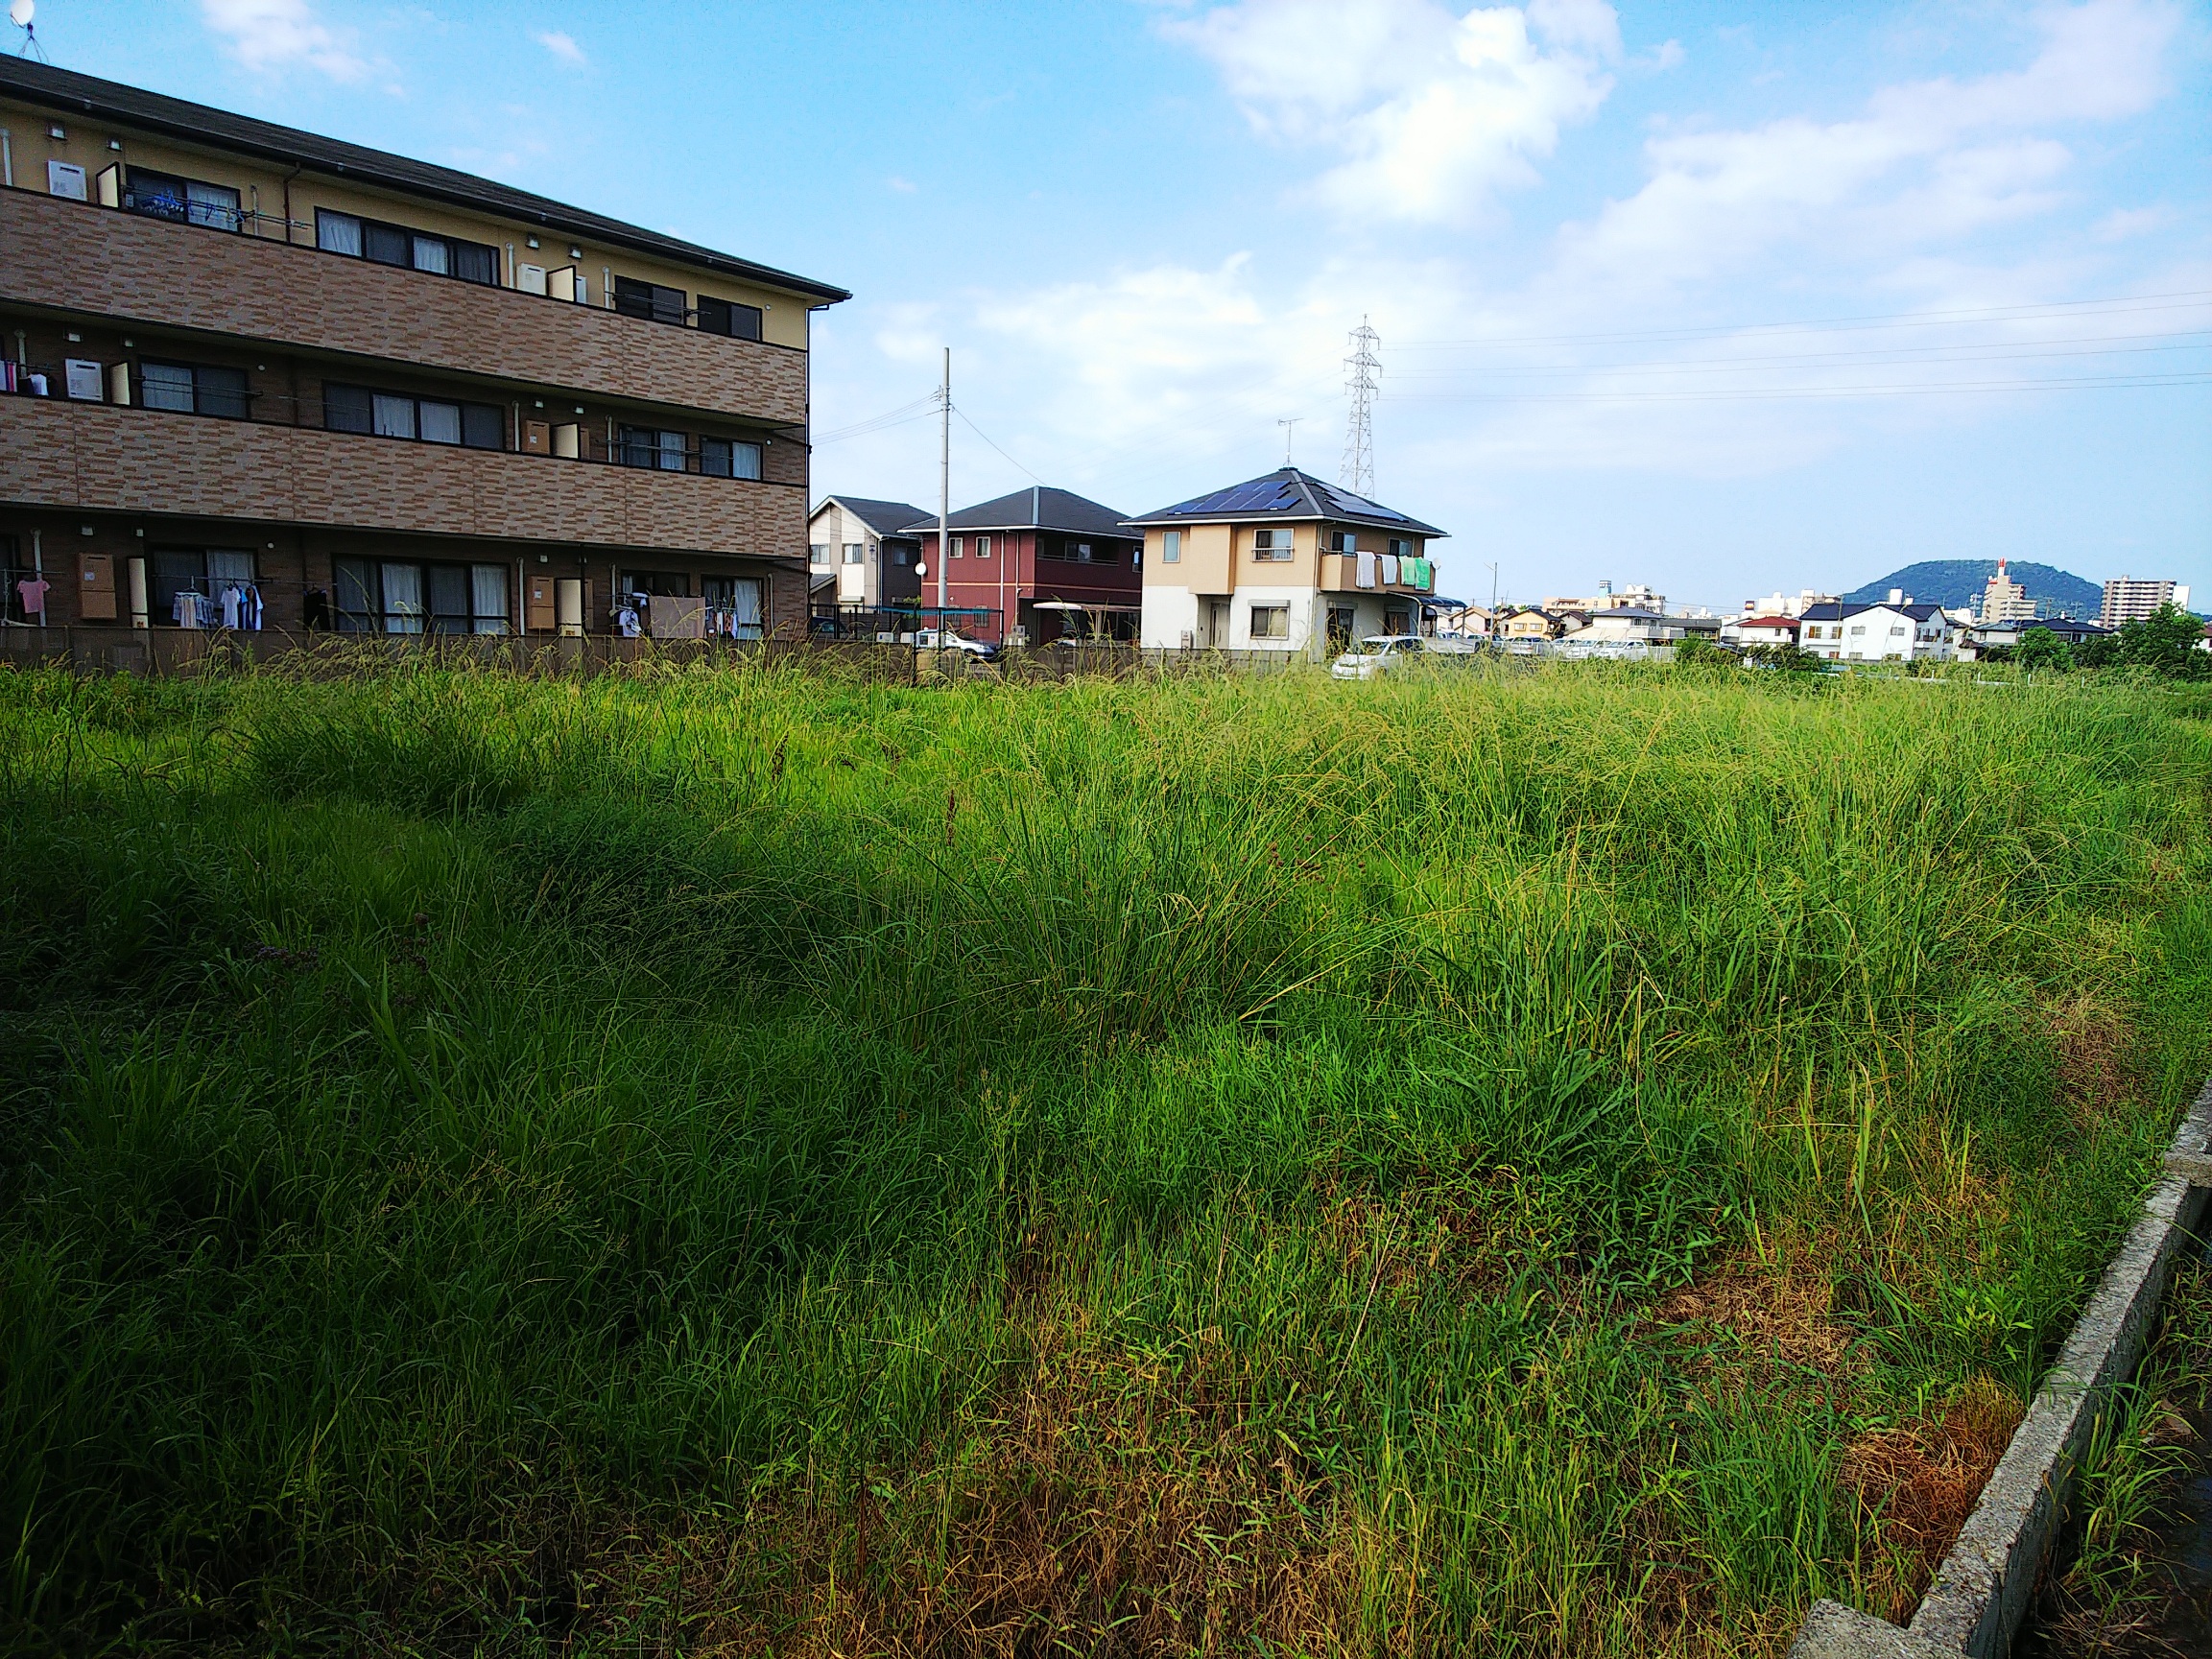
x,y
1980,1592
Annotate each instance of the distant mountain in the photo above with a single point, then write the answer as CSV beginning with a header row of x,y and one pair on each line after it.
x,y
1961,581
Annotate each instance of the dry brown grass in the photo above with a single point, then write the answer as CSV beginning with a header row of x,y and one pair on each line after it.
x,y
1113,1507
1779,1307
1919,1481
2097,1069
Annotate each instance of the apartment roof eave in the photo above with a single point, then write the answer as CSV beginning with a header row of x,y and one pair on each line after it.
x,y
209,128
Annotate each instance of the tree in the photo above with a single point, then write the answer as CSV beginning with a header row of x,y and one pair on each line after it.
x,y
2040,648
1696,650
2097,651
1790,658
2168,642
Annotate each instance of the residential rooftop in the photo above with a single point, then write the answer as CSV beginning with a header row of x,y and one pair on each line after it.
x,y
1286,495
884,517
1040,507
205,126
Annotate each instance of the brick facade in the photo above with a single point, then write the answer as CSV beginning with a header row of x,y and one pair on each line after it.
x,y
74,257
101,457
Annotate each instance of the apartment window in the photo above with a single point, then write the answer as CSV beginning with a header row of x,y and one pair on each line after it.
x,y
1858,629
852,553
185,201
173,570
738,594
727,316
400,414
1345,541
1897,633
383,244
982,547
817,552
401,596
652,583
723,458
1271,545
649,446
1171,547
1401,549
195,389
1271,621
959,545
648,300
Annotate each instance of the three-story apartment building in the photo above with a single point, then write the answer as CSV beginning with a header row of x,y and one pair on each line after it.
x,y
250,376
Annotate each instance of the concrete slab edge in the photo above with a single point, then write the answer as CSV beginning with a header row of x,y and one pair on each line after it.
x,y
1980,1592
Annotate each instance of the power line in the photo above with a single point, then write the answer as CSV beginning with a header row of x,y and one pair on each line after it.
x,y
987,438
2119,305
1777,363
904,413
2082,381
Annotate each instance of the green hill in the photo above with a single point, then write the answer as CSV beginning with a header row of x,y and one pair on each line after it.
x,y
1961,581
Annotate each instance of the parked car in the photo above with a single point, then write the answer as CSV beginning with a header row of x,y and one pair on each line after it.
x,y
1376,656
951,639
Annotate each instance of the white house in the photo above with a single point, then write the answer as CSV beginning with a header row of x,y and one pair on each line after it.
x,y
1896,631
1625,624
1767,628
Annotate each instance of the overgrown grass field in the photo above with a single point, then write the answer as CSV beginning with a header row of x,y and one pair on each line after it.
x,y
1577,1162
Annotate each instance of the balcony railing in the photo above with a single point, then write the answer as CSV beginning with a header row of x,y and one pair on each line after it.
x,y
158,266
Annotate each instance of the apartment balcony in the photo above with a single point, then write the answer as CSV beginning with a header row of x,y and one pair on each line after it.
x,y
102,457
71,257
1341,574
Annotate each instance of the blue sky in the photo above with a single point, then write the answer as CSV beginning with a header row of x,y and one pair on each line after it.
x,y
1146,231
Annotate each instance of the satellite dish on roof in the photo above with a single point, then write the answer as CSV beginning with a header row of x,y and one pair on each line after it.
x,y
921,567
21,12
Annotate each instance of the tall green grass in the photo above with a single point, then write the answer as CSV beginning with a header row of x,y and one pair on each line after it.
x,y
748,1160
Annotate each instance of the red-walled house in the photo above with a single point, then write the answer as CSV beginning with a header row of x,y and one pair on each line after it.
x,y
1038,546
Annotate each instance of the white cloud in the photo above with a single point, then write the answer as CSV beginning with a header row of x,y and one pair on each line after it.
x,y
562,45
904,186
1934,158
1433,112
267,34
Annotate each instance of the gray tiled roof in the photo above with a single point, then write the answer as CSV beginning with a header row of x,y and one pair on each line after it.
x,y
1037,508
884,517
1286,495
64,90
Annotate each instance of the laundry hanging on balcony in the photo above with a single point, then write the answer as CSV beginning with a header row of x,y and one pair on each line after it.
x,y
1366,575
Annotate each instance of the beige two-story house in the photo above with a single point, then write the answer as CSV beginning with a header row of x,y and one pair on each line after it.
x,y
1282,563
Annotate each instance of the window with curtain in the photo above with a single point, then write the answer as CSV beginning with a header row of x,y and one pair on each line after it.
x,y
728,316
184,200
727,458
195,389
400,414
401,596
382,244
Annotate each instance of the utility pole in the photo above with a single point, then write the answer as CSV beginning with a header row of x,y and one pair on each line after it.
x,y
1362,370
944,489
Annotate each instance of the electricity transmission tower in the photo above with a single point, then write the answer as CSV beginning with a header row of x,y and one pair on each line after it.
x,y
1363,369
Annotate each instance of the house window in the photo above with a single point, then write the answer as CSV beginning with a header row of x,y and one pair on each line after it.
x,y
958,543
184,200
1401,549
726,457
194,389
1271,546
648,300
901,555
398,414
1860,627
1344,541
727,316
650,446
852,553
175,570
1171,547
1081,552
1271,620
399,596
982,547
817,552
382,244
1895,632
